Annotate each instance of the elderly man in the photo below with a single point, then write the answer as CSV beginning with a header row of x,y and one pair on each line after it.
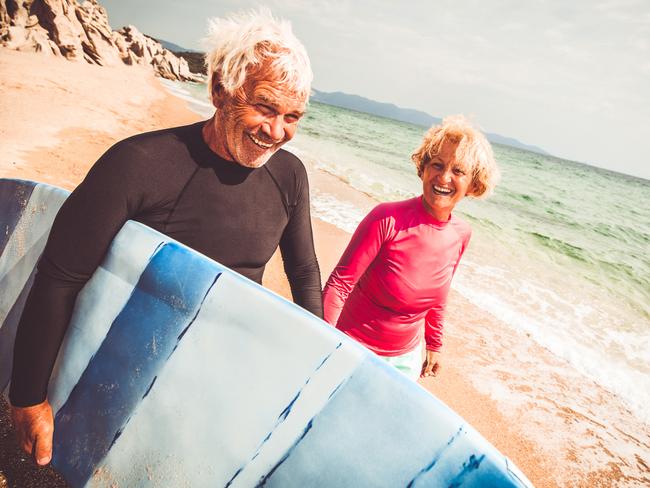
x,y
223,187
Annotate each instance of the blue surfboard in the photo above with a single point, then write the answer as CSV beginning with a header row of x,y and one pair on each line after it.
x,y
176,371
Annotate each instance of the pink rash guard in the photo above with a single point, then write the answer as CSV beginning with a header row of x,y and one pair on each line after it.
x,y
394,275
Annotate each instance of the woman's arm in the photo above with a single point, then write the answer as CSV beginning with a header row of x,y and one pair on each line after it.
x,y
434,320
362,250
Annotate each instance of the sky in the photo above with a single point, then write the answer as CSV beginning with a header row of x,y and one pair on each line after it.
x,y
572,78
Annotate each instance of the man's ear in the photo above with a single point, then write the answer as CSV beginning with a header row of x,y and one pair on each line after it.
x,y
217,90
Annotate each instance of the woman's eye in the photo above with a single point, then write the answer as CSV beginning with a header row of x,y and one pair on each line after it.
x,y
459,171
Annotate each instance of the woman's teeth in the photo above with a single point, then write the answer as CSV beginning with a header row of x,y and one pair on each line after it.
x,y
439,189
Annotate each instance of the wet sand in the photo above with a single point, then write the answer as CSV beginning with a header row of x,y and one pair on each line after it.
x,y
58,117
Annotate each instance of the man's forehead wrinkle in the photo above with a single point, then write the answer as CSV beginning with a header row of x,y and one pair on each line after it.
x,y
277,98
264,98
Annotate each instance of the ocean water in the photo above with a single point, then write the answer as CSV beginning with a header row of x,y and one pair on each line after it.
x,y
561,251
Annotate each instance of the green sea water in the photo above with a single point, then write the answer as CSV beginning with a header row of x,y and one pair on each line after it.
x,y
560,251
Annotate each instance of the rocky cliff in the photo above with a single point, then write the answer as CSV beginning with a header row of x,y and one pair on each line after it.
x,y
81,32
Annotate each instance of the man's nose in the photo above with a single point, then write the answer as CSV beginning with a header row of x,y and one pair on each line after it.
x,y
274,128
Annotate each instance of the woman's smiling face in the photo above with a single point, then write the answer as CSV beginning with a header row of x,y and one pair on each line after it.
x,y
445,182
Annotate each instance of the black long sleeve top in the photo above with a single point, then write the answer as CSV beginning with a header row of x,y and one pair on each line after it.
x,y
171,181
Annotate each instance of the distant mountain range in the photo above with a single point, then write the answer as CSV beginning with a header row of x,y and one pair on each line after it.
x,y
388,110
391,111
358,103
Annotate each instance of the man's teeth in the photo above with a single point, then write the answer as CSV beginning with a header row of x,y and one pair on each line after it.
x,y
440,189
265,145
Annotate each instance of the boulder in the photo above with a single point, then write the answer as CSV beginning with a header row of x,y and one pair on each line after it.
x,y
138,48
100,45
59,19
35,39
82,33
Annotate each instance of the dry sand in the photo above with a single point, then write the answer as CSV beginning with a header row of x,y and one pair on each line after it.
x,y
58,117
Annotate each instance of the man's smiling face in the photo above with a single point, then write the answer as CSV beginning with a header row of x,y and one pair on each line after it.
x,y
256,120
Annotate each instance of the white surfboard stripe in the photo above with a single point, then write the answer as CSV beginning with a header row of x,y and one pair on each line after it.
x,y
324,382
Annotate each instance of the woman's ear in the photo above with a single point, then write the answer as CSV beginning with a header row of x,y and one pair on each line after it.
x,y
475,189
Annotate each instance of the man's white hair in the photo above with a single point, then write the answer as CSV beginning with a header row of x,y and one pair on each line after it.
x,y
249,39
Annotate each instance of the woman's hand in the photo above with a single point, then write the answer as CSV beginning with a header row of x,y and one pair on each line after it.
x,y
431,365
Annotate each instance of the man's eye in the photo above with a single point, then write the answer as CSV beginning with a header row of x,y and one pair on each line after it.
x,y
291,118
264,109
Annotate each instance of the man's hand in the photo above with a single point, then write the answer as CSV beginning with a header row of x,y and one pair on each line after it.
x,y
431,365
34,428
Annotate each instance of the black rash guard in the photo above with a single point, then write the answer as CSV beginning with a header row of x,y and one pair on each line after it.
x,y
171,181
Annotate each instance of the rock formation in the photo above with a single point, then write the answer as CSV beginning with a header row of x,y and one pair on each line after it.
x,y
81,32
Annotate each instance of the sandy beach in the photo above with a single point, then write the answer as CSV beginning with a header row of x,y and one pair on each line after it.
x,y
58,117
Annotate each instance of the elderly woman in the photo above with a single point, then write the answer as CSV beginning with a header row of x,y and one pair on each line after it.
x,y
395,274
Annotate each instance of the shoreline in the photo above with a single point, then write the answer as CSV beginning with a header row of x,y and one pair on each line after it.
x,y
526,423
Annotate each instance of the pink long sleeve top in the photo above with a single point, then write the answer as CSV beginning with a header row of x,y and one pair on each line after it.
x,y
394,277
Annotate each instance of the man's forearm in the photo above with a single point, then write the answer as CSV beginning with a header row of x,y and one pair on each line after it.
x,y
38,338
